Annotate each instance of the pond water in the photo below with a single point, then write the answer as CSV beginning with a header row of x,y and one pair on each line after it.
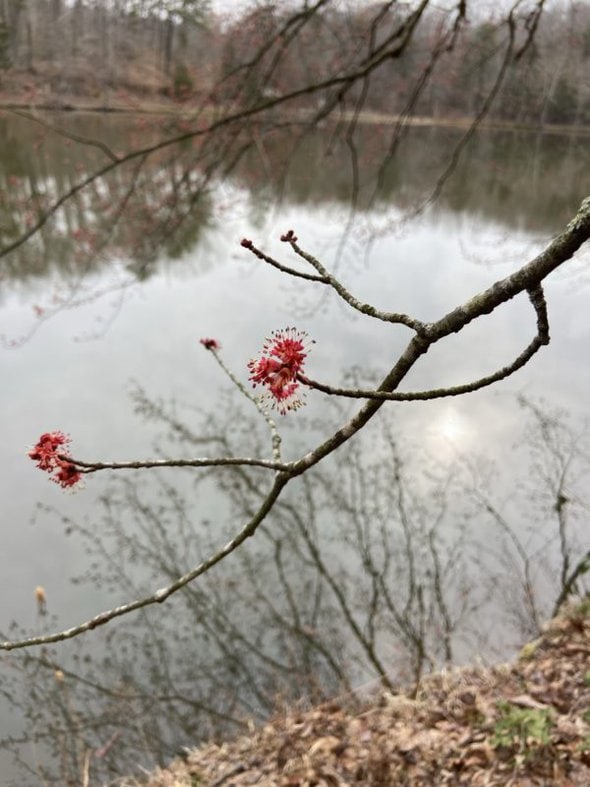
x,y
100,318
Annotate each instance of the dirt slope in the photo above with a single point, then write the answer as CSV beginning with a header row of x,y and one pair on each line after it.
x,y
525,723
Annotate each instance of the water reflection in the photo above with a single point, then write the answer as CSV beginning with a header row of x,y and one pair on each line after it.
x,y
123,227
135,213
156,207
203,664
518,179
370,572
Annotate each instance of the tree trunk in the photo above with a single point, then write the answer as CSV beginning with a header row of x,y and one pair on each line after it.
x,y
30,28
168,41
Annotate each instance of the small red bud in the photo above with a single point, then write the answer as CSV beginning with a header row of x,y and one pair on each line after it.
x,y
210,344
289,237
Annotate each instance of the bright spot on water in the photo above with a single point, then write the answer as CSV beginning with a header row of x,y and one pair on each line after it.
x,y
452,428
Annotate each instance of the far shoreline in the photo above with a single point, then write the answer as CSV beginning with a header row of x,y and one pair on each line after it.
x,y
169,108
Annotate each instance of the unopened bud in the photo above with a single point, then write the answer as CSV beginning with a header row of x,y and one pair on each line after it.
x,y
41,599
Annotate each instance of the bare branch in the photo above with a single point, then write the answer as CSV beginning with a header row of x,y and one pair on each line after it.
x,y
582,567
247,244
275,436
226,461
561,249
483,112
325,277
364,308
531,25
542,338
528,277
163,593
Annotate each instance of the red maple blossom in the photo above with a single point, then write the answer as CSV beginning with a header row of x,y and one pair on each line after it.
x,y
51,453
67,474
281,361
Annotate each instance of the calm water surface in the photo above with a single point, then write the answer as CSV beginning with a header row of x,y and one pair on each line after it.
x,y
86,315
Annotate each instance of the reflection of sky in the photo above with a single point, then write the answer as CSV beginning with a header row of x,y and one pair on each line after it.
x,y
81,387
55,382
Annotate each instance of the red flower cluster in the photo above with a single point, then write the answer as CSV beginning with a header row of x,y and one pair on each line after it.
x,y
50,453
282,359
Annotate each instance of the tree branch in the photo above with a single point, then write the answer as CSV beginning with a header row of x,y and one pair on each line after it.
x,y
163,593
325,277
542,338
229,461
582,567
344,81
528,277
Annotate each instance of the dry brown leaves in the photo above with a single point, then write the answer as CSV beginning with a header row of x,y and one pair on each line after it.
x,y
448,735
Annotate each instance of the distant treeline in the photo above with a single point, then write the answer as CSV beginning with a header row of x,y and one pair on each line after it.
x,y
182,49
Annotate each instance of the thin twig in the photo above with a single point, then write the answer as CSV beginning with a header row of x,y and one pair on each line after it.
x,y
528,277
325,277
247,244
364,308
275,436
542,338
163,593
91,467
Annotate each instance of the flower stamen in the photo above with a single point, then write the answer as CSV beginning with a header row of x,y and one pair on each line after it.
x,y
277,369
51,455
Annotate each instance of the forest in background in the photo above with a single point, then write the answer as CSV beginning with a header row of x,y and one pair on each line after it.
x,y
109,50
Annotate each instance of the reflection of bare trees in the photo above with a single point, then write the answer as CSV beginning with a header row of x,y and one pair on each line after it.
x,y
279,83
107,237
262,88
153,208
133,212
104,238
544,555
368,571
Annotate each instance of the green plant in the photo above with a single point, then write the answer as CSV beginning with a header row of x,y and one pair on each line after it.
x,y
522,727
